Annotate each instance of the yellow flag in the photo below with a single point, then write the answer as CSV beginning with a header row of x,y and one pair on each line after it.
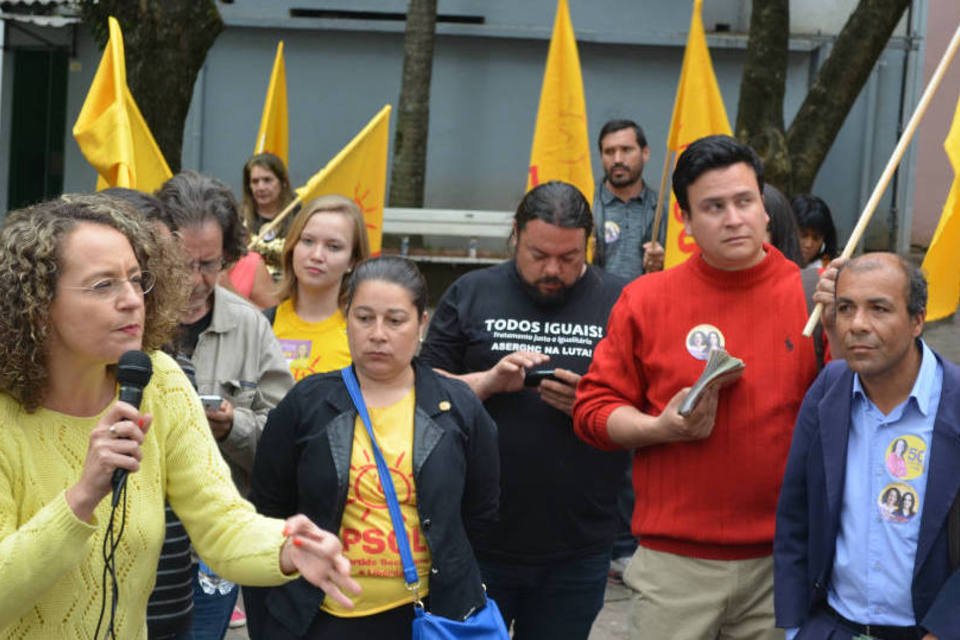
x,y
942,262
273,134
698,111
359,171
561,146
110,130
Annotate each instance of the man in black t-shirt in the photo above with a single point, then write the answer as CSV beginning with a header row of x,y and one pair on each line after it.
x,y
546,562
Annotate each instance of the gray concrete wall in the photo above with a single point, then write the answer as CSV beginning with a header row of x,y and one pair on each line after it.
x,y
79,176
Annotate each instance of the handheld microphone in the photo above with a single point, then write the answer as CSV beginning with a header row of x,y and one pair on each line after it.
x,y
133,374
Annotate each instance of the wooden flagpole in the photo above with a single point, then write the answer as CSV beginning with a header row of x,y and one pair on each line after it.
x,y
273,224
899,150
655,232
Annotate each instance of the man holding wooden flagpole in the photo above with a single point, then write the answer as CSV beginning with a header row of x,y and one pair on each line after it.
x,y
624,205
868,521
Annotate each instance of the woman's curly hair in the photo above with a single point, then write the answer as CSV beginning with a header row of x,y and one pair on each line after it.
x,y
31,262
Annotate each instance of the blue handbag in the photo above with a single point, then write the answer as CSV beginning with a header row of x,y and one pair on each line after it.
x,y
485,624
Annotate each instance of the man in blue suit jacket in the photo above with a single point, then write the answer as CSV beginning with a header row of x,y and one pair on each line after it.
x,y
861,546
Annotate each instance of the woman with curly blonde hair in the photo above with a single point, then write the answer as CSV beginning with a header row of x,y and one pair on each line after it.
x,y
82,281
30,266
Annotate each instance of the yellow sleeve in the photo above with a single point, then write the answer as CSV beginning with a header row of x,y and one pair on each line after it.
x,y
35,556
225,530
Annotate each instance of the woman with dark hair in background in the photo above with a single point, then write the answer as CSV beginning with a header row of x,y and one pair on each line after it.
x,y
440,444
326,239
818,235
82,281
266,192
782,228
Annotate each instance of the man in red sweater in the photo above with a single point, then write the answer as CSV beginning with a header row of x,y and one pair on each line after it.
x,y
706,485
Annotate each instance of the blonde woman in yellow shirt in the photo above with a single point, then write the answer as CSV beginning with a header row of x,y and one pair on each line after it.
x,y
325,240
82,281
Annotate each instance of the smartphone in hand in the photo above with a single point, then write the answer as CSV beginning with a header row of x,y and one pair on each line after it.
x,y
534,378
211,402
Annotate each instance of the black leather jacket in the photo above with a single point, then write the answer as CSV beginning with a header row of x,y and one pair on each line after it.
x,y
303,466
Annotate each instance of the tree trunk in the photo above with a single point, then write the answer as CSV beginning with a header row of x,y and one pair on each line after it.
x,y
413,112
166,42
760,111
837,86
792,159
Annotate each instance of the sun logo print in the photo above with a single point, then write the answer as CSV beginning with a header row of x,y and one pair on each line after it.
x,y
360,195
367,490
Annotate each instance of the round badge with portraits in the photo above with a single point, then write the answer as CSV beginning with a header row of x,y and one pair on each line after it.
x,y
702,339
905,457
898,502
611,232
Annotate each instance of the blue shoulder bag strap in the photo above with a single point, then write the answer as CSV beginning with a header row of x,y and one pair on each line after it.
x,y
386,481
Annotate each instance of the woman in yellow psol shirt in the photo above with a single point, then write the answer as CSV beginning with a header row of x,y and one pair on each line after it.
x,y
323,243
439,443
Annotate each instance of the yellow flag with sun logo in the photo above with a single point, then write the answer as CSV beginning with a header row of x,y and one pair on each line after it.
x,y
359,172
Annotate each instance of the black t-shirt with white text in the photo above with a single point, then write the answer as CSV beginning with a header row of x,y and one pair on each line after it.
x,y
558,495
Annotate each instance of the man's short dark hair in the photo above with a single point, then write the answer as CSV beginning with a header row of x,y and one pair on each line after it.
x,y
612,126
557,203
706,154
916,290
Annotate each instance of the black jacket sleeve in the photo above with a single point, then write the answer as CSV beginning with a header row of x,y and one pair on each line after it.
x,y
273,484
481,500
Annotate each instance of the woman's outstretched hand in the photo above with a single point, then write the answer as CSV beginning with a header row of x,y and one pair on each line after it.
x,y
318,556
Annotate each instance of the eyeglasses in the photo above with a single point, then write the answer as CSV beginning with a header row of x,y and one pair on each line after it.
x,y
111,288
207,267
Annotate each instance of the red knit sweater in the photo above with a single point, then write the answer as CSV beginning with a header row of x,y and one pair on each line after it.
x,y
714,498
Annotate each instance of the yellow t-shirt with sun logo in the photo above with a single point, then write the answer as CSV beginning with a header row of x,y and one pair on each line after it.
x,y
311,347
366,530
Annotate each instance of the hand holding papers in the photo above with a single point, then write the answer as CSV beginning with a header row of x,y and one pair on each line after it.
x,y
721,369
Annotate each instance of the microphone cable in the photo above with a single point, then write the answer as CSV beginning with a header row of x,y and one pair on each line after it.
x,y
111,541
134,370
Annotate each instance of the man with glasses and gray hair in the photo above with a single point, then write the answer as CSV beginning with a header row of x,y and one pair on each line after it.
x,y
240,370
